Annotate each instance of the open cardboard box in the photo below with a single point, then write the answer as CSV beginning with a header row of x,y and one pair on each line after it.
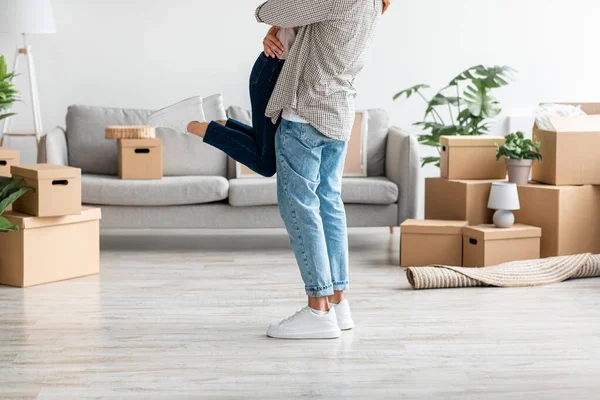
x,y
571,155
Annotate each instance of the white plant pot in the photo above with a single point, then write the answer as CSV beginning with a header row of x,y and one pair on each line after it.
x,y
519,171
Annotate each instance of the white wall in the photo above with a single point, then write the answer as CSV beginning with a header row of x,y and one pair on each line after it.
x,y
148,53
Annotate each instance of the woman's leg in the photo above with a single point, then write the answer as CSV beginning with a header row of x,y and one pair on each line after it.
x,y
251,146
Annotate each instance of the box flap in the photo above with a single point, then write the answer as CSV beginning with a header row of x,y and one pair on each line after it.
x,y
45,171
8,154
139,143
490,232
472,141
24,221
433,227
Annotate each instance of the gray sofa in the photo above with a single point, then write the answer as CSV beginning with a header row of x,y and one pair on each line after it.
x,y
198,190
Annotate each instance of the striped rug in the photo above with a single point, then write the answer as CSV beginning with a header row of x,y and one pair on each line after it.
x,y
514,274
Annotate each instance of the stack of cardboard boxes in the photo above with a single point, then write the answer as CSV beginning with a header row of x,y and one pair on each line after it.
x,y
57,239
560,209
140,152
457,228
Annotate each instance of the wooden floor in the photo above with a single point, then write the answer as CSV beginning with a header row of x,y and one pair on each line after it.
x,y
185,316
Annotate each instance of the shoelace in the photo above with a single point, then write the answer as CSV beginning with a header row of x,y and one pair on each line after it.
x,y
293,317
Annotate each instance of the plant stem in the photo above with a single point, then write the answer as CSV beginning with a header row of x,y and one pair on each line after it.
x,y
441,120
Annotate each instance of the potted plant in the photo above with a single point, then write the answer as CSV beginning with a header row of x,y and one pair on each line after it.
x,y
520,154
466,102
8,93
10,191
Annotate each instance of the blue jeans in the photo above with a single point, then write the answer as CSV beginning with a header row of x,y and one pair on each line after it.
x,y
252,146
309,184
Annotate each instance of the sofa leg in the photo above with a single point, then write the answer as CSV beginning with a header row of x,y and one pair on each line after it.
x,y
391,230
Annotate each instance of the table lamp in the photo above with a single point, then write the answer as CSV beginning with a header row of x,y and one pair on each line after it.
x,y
504,198
27,17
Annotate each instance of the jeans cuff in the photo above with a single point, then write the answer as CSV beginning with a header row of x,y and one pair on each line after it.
x,y
341,286
316,291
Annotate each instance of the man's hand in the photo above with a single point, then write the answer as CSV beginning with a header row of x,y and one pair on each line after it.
x,y
386,5
272,45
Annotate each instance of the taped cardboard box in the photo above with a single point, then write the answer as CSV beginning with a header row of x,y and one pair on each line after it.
x,y
140,159
568,215
471,157
484,246
50,249
425,243
8,158
57,190
458,200
571,154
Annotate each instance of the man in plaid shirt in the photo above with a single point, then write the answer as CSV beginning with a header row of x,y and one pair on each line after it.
x,y
315,97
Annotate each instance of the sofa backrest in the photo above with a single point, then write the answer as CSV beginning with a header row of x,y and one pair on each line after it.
x,y
183,155
378,125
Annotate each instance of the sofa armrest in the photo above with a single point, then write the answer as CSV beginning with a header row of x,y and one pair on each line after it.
x,y
403,168
53,148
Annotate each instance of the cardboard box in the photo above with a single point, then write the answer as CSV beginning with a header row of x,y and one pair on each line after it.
x,y
425,243
140,159
484,246
458,200
50,249
568,215
570,155
471,157
57,190
8,158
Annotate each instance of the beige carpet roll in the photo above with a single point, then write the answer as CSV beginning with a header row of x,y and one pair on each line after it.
x,y
130,132
513,274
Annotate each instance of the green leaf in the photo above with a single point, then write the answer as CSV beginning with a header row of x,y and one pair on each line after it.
x,y
517,147
410,91
4,116
480,101
5,225
12,196
3,68
430,160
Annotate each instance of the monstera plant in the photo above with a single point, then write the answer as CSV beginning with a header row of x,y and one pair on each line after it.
x,y
464,107
10,191
8,93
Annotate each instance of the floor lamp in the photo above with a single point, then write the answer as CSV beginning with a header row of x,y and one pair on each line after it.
x,y
27,17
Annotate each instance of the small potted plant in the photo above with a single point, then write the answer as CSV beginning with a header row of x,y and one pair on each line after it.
x,y
8,93
10,191
520,154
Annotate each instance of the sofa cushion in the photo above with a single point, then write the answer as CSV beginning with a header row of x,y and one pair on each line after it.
x,y
90,151
247,192
169,191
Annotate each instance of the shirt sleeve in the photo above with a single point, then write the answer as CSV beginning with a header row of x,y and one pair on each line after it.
x,y
294,13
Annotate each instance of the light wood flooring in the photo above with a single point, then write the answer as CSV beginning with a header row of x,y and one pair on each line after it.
x,y
184,316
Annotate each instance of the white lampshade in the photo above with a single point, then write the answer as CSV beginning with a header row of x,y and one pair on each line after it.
x,y
26,16
504,196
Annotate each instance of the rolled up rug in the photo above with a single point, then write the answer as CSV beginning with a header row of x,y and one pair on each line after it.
x,y
513,274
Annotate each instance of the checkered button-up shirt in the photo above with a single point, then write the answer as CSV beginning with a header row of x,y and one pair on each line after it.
x,y
317,80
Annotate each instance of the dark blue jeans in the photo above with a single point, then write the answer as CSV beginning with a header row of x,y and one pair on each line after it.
x,y
252,146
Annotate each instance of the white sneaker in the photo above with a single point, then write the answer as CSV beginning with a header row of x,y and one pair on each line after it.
x,y
214,109
179,115
344,316
306,324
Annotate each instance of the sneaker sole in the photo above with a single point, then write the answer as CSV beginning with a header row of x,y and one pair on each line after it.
x,y
346,325
307,336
